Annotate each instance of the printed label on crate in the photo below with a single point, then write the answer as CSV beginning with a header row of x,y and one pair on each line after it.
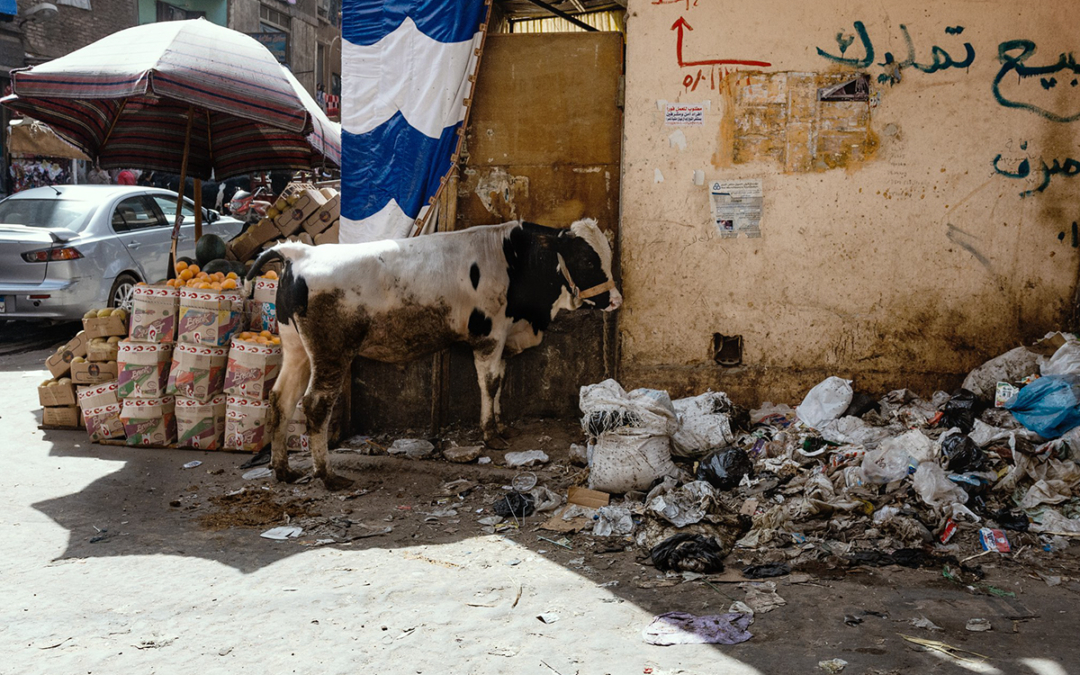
x,y
252,369
245,423
209,317
154,313
296,436
198,371
98,395
143,368
149,421
200,425
265,290
103,422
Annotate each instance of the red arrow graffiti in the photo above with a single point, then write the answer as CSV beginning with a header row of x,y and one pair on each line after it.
x,y
681,24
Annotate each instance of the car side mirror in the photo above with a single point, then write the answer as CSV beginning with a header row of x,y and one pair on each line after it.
x,y
212,216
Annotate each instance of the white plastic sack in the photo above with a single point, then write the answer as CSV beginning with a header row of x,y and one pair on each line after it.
x,y
613,520
826,401
1012,366
632,433
704,424
854,431
915,443
1065,361
886,465
629,459
934,487
607,406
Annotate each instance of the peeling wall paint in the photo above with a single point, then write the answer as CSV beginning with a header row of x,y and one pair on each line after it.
x,y
907,236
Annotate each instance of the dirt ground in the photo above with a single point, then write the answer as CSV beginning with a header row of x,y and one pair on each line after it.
x,y
119,559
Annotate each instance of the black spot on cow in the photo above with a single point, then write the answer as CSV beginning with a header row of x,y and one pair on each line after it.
x,y
531,262
479,324
474,275
292,296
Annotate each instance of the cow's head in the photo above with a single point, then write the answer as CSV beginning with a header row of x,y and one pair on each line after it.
x,y
585,263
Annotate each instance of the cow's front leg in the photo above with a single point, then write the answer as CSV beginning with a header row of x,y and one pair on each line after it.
x,y
327,377
291,383
500,428
489,374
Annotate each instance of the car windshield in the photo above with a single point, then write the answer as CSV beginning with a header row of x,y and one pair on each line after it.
x,y
51,213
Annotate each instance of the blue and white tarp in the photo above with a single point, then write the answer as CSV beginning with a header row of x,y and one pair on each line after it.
x,y
405,75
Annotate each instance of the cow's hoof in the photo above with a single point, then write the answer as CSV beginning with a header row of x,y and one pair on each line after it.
x,y
336,483
496,443
288,475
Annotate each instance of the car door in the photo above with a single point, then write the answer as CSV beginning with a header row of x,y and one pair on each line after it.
x,y
185,245
141,227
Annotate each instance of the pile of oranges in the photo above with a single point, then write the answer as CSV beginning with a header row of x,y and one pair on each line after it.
x,y
190,276
263,338
270,274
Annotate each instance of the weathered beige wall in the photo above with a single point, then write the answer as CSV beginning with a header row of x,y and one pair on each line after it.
x,y
891,251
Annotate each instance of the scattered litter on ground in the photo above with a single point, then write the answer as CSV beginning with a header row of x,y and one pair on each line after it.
x,y
925,624
682,628
413,448
548,618
832,666
192,464
688,553
282,533
946,649
978,625
255,474
517,460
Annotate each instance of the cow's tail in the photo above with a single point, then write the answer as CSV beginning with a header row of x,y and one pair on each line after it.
x,y
265,258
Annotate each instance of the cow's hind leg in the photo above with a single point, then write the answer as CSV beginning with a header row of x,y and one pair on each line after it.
x,y
328,375
496,403
489,374
288,389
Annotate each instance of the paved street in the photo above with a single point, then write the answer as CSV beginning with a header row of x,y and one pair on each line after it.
x,y
109,567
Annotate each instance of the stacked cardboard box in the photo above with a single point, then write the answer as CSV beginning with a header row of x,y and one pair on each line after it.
x,y
88,358
301,213
143,360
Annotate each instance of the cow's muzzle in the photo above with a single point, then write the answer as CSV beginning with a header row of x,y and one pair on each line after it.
x,y
614,301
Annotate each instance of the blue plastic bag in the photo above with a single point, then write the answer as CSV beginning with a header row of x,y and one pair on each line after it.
x,y
1049,406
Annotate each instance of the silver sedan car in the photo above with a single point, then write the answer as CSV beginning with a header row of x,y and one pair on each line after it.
x,y
70,248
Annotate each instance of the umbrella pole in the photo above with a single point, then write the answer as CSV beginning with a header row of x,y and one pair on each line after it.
x,y
198,210
171,273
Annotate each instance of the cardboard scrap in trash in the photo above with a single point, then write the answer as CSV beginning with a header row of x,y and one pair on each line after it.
x,y
556,523
592,499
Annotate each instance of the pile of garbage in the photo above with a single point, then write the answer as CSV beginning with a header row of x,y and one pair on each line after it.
x,y
844,478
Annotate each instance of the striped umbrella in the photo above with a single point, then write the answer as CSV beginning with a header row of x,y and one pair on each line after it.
x,y
186,97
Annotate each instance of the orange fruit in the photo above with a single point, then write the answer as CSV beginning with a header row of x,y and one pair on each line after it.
x,y
270,275
228,284
204,286
275,340
194,269
263,341
186,274
266,334
181,266
232,275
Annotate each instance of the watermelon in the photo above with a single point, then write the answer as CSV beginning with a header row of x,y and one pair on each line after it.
x,y
219,265
185,259
209,248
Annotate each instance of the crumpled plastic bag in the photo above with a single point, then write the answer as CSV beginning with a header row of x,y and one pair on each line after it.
x,y
688,553
825,402
855,431
682,506
1049,406
897,457
1065,361
1012,366
934,487
613,520
704,424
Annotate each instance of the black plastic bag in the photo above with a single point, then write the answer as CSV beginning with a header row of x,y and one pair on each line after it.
x,y
961,411
723,469
688,553
514,504
1016,521
777,569
860,405
963,454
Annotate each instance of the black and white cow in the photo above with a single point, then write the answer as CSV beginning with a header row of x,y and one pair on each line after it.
x,y
495,288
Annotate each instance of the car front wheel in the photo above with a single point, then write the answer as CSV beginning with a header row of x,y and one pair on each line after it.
x,y
122,292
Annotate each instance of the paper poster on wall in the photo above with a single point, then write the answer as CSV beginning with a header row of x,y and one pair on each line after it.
x,y
684,115
736,207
